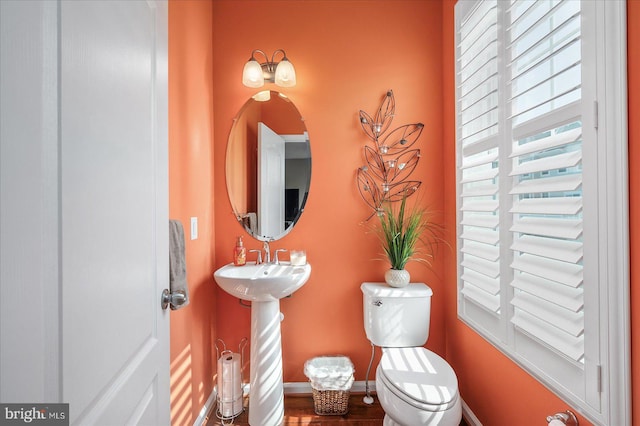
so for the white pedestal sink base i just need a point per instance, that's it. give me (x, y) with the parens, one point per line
(264, 285)
(266, 395)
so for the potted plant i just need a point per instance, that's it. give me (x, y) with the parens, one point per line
(406, 234)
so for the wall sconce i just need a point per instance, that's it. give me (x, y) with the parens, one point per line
(282, 73)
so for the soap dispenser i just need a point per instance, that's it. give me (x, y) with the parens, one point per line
(239, 253)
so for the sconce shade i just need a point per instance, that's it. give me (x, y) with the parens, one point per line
(285, 74)
(255, 73)
(252, 74)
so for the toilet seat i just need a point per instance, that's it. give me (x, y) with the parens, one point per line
(419, 377)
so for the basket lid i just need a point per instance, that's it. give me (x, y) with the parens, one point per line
(328, 367)
(420, 375)
(329, 372)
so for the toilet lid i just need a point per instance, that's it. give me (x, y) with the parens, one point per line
(420, 375)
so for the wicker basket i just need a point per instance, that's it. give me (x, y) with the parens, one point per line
(330, 402)
(331, 378)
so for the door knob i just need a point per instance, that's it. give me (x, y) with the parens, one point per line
(563, 419)
(175, 299)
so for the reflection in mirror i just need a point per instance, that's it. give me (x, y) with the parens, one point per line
(268, 166)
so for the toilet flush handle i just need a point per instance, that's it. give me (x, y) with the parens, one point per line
(566, 418)
(377, 302)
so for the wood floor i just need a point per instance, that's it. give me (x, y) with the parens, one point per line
(298, 410)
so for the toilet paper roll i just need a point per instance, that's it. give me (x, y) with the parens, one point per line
(229, 378)
(230, 409)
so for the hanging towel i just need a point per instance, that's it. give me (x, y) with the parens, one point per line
(177, 263)
(250, 221)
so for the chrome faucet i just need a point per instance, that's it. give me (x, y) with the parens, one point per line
(275, 256)
(259, 258)
(267, 253)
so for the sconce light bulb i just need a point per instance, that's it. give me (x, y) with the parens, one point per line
(252, 74)
(385, 187)
(392, 163)
(384, 149)
(377, 127)
(364, 168)
(363, 120)
(403, 141)
(285, 74)
(401, 165)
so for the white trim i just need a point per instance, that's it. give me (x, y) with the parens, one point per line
(207, 409)
(304, 388)
(301, 138)
(30, 197)
(469, 416)
(297, 388)
(614, 124)
(290, 388)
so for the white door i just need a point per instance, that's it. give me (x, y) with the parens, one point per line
(103, 172)
(271, 163)
(114, 211)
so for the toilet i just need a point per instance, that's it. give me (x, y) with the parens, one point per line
(414, 385)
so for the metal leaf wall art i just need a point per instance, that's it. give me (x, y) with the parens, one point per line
(389, 160)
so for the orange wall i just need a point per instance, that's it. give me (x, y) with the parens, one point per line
(282, 117)
(191, 194)
(347, 54)
(497, 390)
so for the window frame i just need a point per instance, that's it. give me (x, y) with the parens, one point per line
(604, 87)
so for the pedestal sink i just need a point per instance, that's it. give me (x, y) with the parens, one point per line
(264, 285)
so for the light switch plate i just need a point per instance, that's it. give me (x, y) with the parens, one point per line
(194, 228)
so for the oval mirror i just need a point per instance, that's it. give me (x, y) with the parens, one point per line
(268, 166)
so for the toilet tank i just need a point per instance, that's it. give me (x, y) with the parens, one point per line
(396, 317)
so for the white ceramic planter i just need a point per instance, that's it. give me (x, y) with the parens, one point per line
(397, 277)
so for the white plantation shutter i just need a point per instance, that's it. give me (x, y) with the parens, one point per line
(545, 107)
(531, 263)
(478, 102)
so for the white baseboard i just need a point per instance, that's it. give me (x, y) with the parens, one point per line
(207, 409)
(304, 388)
(468, 415)
(290, 388)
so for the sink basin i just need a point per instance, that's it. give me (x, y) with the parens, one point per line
(264, 282)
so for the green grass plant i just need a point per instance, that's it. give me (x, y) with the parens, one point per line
(407, 234)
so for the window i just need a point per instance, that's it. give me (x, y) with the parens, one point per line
(542, 192)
